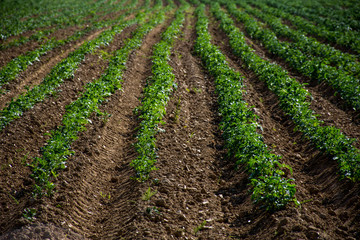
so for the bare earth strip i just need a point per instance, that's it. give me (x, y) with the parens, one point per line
(10, 53)
(23, 139)
(187, 180)
(326, 198)
(96, 196)
(331, 108)
(35, 73)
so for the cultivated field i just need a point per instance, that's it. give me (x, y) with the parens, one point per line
(179, 119)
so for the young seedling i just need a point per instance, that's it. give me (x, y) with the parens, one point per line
(200, 227)
(29, 214)
(148, 194)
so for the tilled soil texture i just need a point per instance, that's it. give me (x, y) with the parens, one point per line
(22, 139)
(96, 197)
(330, 206)
(34, 74)
(185, 202)
(197, 191)
(12, 52)
(325, 102)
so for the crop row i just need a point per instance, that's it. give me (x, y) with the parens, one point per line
(347, 86)
(347, 12)
(293, 100)
(324, 16)
(70, 15)
(156, 95)
(42, 34)
(347, 39)
(239, 126)
(11, 70)
(308, 45)
(63, 70)
(58, 147)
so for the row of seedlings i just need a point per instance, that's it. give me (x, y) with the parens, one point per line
(240, 128)
(58, 148)
(347, 86)
(332, 20)
(72, 13)
(42, 34)
(19, 64)
(294, 102)
(346, 39)
(63, 70)
(156, 95)
(308, 45)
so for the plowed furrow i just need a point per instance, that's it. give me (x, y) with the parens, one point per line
(326, 103)
(187, 185)
(34, 74)
(10, 53)
(315, 174)
(26, 136)
(97, 183)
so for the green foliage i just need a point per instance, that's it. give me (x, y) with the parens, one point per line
(200, 227)
(345, 63)
(239, 126)
(11, 70)
(62, 71)
(316, 68)
(338, 33)
(57, 149)
(29, 214)
(156, 96)
(292, 95)
(148, 194)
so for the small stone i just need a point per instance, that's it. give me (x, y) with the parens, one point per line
(182, 217)
(308, 219)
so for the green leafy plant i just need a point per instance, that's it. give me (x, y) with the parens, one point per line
(29, 214)
(200, 227)
(57, 149)
(156, 95)
(294, 99)
(239, 125)
(148, 194)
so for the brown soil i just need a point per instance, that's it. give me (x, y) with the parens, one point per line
(23, 138)
(96, 198)
(188, 178)
(35, 73)
(98, 193)
(326, 103)
(326, 198)
(10, 53)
